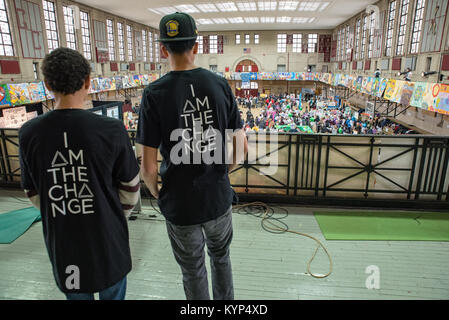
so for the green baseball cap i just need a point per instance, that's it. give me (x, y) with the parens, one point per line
(177, 26)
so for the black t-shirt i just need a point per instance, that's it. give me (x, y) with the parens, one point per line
(75, 159)
(192, 191)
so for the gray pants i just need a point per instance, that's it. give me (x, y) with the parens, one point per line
(188, 248)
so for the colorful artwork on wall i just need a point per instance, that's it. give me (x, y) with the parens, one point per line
(382, 86)
(5, 101)
(390, 88)
(19, 94)
(406, 93)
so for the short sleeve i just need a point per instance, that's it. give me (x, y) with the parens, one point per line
(26, 180)
(148, 127)
(234, 121)
(126, 167)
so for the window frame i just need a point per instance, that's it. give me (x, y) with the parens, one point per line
(121, 41)
(213, 44)
(200, 41)
(111, 39)
(52, 33)
(85, 34)
(281, 43)
(392, 8)
(129, 43)
(314, 37)
(297, 43)
(402, 29)
(69, 23)
(417, 31)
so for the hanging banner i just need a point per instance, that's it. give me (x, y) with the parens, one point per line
(382, 86)
(440, 98)
(389, 90)
(419, 91)
(406, 93)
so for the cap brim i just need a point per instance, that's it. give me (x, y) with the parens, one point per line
(176, 39)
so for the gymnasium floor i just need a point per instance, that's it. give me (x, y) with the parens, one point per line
(265, 266)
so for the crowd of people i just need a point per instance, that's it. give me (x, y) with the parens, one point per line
(291, 113)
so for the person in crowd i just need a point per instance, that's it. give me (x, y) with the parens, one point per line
(79, 169)
(281, 110)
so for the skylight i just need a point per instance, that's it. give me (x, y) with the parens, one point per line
(267, 19)
(204, 21)
(251, 19)
(247, 6)
(166, 10)
(283, 19)
(267, 5)
(236, 20)
(227, 6)
(187, 8)
(324, 6)
(154, 10)
(300, 20)
(220, 20)
(207, 7)
(309, 6)
(287, 5)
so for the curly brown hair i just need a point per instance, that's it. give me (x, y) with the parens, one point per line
(65, 70)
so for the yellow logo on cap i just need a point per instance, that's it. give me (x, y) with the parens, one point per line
(172, 28)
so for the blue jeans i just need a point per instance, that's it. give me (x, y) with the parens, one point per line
(116, 292)
(188, 248)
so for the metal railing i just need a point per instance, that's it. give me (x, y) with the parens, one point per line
(402, 171)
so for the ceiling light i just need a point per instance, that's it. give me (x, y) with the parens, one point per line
(267, 5)
(287, 5)
(309, 6)
(227, 6)
(220, 20)
(207, 7)
(252, 20)
(311, 20)
(283, 19)
(236, 20)
(187, 8)
(204, 21)
(247, 6)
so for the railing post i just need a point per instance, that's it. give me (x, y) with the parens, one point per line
(326, 168)
(369, 169)
(318, 166)
(443, 174)
(298, 137)
(421, 168)
(2, 157)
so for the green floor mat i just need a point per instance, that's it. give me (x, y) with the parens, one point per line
(384, 225)
(14, 223)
